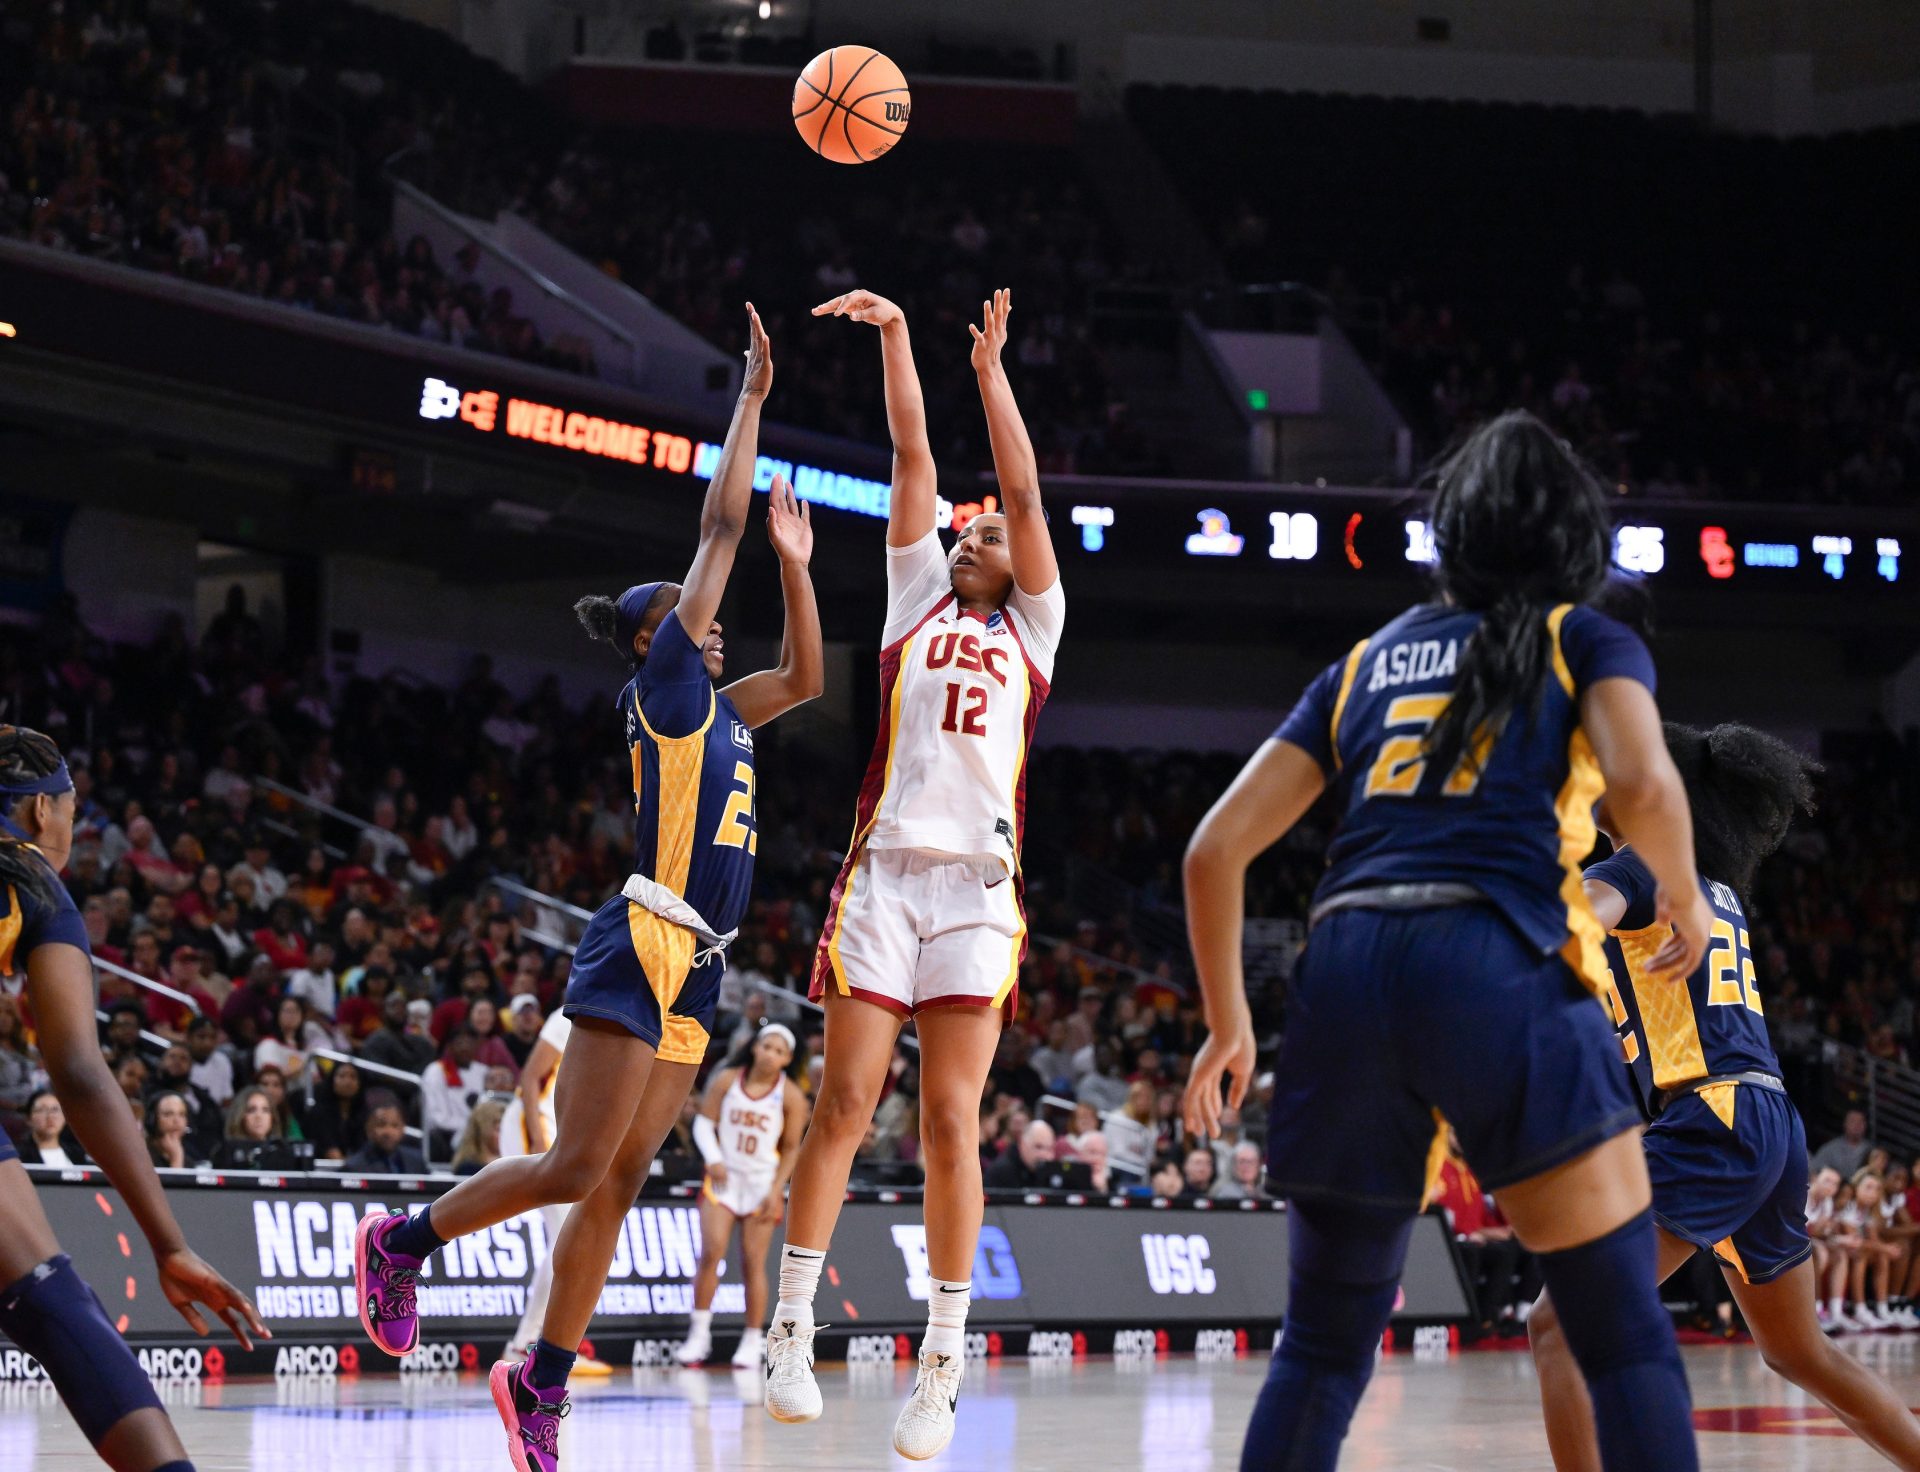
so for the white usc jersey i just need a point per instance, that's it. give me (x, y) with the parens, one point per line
(513, 1124)
(960, 695)
(750, 1128)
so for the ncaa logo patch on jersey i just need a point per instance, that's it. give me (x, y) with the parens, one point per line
(742, 737)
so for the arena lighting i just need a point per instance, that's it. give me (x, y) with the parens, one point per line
(1641, 549)
(1296, 535)
(1715, 552)
(1093, 522)
(1833, 553)
(1887, 549)
(1216, 536)
(6, 330)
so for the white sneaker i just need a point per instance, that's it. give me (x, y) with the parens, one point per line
(1868, 1318)
(926, 1422)
(1905, 1319)
(751, 1350)
(1847, 1322)
(792, 1392)
(1829, 1323)
(696, 1350)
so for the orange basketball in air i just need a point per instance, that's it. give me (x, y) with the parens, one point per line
(851, 104)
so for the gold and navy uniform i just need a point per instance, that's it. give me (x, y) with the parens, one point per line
(28, 922)
(1458, 984)
(694, 834)
(1728, 1160)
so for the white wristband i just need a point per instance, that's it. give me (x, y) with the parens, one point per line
(708, 1139)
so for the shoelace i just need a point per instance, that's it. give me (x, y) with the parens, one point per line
(933, 1389)
(400, 1284)
(782, 1365)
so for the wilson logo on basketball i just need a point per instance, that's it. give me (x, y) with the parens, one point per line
(897, 112)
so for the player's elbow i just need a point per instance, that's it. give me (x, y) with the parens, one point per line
(720, 524)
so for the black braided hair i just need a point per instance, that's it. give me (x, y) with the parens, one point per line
(1520, 524)
(599, 615)
(25, 756)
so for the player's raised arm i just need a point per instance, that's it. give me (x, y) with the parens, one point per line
(1034, 568)
(801, 674)
(723, 515)
(915, 481)
(1271, 794)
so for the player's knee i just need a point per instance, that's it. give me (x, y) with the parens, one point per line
(54, 1316)
(949, 1133)
(1544, 1334)
(569, 1175)
(839, 1117)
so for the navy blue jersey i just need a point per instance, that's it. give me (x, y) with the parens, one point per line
(693, 828)
(28, 922)
(1674, 1029)
(1516, 823)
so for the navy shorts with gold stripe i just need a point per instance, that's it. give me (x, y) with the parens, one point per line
(1729, 1168)
(1398, 1018)
(636, 969)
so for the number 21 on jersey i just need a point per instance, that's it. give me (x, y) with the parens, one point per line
(1402, 762)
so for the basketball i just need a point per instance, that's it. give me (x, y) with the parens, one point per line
(851, 104)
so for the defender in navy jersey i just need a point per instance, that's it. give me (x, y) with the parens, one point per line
(1726, 1150)
(45, 1306)
(646, 973)
(1453, 967)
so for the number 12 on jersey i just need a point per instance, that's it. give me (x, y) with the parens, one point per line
(966, 709)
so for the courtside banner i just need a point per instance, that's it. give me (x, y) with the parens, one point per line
(288, 1241)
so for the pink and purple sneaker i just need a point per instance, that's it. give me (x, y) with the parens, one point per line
(385, 1282)
(531, 1415)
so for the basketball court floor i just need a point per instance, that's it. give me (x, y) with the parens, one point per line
(1468, 1411)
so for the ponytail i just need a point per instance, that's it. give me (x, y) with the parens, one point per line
(597, 616)
(26, 758)
(1744, 788)
(1519, 525)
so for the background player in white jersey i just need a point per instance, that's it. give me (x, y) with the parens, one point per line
(527, 1129)
(748, 1131)
(925, 920)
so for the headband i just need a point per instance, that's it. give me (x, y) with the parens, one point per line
(629, 610)
(57, 781)
(778, 1030)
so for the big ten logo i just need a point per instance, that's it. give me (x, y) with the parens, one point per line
(1045, 1344)
(1177, 1262)
(1219, 1344)
(965, 652)
(995, 1273)
(648, 1353)
(431, 1358)
(1139, 1344)
(873, 1349)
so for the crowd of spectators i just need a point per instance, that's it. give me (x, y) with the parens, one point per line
(247, 147)
(1639, 282)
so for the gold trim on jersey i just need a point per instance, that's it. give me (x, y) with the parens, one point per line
(840, 921)
(1584, 949)
(1437, 1157)
(1666, 1013)
(677, 808)
(1013, 966)
(1354, 657)
(1561, 670)
(10, 925)
(893, 745)
(665, 952)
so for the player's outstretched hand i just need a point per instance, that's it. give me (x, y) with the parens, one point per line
(759, 375)
(186, 1279)
(991, 335)
(1227, 1053)
(862, 306)
(789, 523)
(1692, 923)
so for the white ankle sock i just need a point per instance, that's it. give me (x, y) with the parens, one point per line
(799, 1280)
(947, 1317)
(702, 1325)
